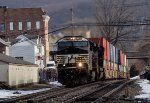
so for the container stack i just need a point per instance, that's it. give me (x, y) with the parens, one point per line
(114, 60)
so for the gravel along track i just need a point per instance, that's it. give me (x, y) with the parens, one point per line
(78, 91)
(94, 95)
(98, 94)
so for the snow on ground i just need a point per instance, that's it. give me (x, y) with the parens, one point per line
(55, 83)
(136, 77)
(145, 93)
(12, 93)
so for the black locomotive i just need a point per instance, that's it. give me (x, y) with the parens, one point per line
(80, 61)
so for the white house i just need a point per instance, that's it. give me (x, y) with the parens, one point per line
(15, 72)
(28, 48)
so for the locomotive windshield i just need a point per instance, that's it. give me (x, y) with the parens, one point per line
(64, 44)
(74, 44)
(80, 43)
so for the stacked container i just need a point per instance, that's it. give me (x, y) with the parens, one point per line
(102, 41)
(117, 62)
(105, 44)
(111, 60)
(114, 62)
(108, 60)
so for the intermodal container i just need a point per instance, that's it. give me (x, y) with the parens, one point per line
(102, 42)
(108, 51)
(105, 64)
(121, 57)
(125, 60)
(117, 56)
(111, 53)
(105, 48)
(114, 51)
(96, 40)
(112, 65)
(121, 70)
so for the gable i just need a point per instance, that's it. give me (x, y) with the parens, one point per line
(23, 43)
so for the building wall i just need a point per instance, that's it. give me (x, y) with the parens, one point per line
(23, 15)
(25, 50)
(22, 74)
(3, 72)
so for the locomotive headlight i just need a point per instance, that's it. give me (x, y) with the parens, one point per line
(64, 65)
(80, 64)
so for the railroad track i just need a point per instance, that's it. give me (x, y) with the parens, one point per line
(99, 94)
(59, 95)
(76, 92)
(51, 96)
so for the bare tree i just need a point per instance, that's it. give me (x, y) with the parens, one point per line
(112, 13)
(144, 48)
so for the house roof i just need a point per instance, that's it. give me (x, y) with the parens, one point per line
(3, 42)
(26, 37)
(9, 59)
(21, 13)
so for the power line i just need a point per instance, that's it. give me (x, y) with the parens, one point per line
(128, 23)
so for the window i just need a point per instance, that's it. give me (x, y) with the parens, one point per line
(28, 25)
(11, 24)
(64, 44)
(37, 24)
(80, 44)
(20, 25)
(21, 58)
(2, 27)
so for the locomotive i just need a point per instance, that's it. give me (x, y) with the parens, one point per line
(81, 60)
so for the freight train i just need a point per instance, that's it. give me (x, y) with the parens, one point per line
(81, 60)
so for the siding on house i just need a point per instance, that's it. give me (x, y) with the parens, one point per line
(16, 72)
(3, 72)
(25, 50)
(22, 74)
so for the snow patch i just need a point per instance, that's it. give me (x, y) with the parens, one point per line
(145, 93)
(13, 93)
(136, 77)
(55, 83)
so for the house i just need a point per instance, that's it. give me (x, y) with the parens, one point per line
(15, 72)
(33, 21)
(28, 48)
